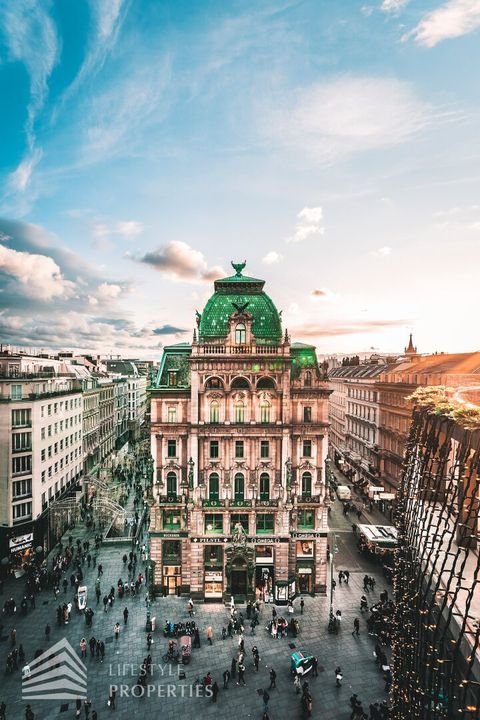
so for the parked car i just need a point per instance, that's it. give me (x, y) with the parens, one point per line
(344, 492)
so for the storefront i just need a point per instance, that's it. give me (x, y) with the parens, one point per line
(285, 590)
(171, 566)
(264, 573)
(213, 576)
(305, 565)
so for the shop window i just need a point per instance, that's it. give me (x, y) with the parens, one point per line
(239, 412)
(238, 518)
(172, 485)
(214, 448)
(213, 486)
(171, 551)
(304, 548)
(239, 448)
(307, 448)
(214, 412)
(307, 414)
(265, 412)
(213, 555)
(240, 334)
(264, 449)
(239, 489)
(306, 519)
(213, 524)
(264, 486)
(265, 524)
(306, 484)
(171, 519)
(172, 448)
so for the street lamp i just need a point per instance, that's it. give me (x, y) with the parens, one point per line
(331, 618)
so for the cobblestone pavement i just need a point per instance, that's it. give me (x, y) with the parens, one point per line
(124, 656)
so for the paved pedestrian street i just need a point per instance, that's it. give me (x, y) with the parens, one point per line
(172, 697)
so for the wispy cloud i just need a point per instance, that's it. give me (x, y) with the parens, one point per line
(19, 180)
(169, 330)
(350, 114)
(179, 261)
(393, 6)
(312, 330)
(272, 257)
(321, 294)
(453, 19)
(309, 222)
(382, 252)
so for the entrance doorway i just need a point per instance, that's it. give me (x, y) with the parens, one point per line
(172, 582)
(239, 582)
(172, 579)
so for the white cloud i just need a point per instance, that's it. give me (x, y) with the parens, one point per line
(350, 114)
(384, 251)
(452, 20)
(272, 257)
(39, 275)
(108, 291)
(19, 179)
(308, 223)
(393, 5)
(129, 228)
(367, 10)
(179, 261)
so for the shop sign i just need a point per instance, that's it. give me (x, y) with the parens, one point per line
(210, 540)
(250, 540)
(22, 542)
(240, 503)
(308, 535)
(171, 534)
(267, 503)
(304, 571)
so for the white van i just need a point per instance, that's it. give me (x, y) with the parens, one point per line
(344, 492)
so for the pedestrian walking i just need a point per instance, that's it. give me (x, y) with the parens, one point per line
(214, 692)
(338, 676)
(346, 576)
(83, 648)
(315, 666)
(296, 684)
(356, 627)
(273, 679)
(3, 710)
(226, 679)
(256, 657)
(47, 632)
(149, 641)
(302, 605)
(125, 616)
(340, 577)
(241, 674)
(266, 698)
(233, 669)
(87, 706)
(210, 635)
(366, 583)
(116, 630)
(111, 698)
(29, 714)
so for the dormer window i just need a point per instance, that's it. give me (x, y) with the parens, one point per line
(240, 334)
(172, 378)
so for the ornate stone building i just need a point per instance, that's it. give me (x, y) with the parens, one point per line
(239, 438)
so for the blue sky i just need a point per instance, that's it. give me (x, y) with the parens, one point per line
(333, 145)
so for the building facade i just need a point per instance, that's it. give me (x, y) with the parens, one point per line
(239, 439)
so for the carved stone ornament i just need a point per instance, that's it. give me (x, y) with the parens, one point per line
(214, 396)
(238, 395)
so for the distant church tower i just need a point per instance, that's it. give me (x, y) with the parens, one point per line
(410, 350)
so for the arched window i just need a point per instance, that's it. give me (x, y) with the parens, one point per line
(306, 484)
(214, 412)
(214, 383)
(264, 486)
(265, 412)
(213, 486)
(172, 484)
(239, 487)
(240, 383)
(266, 383)
(239, 412)
(308, 379)
(240, 334)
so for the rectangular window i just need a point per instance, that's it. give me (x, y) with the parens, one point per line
(171, 519)
(213, 524)
(49, 451)
(265, 524)
(239, 481)
(239, 449)
(56, 428)
(55, 408)
(172, 414)
(306, 519)
(43, 455)
(171, 448)
(21, 441)
(43, 476)
(22, 465)
(21, 418)
(214, 448)
(240, 413)
(20, 488)
(265, 413)
(42, 433)
(307, 414)
(172, 378)
(22, 510)
(49, 409)
(307, 448)
(56, 468)
(49, 431)
(16, 392)
(55, 448)
(264, 449)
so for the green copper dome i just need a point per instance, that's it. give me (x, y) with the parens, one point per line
(236, 293)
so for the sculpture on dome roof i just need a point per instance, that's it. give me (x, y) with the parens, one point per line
(240, 307)
(238, 267)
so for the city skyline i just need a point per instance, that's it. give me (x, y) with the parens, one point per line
(145, 147)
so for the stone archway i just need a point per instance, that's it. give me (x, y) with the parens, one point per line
(239, 569)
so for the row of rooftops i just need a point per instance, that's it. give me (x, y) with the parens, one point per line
(17, 365)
